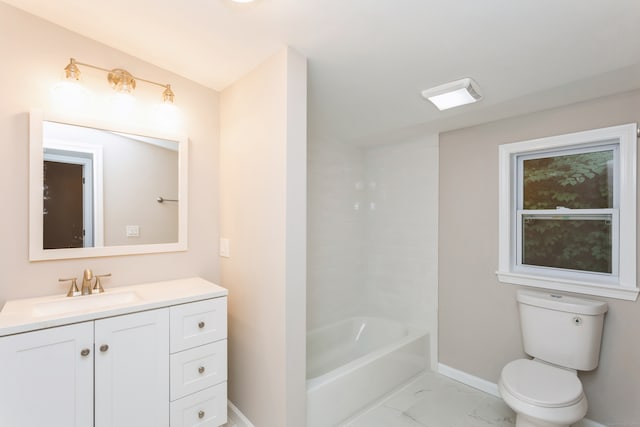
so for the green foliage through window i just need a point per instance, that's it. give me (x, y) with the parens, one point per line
(574, 181)
(567, 243)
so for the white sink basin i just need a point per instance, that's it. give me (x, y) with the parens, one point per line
(30, 314)
(65, 305)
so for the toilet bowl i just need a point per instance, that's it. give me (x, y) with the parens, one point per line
(542, 395)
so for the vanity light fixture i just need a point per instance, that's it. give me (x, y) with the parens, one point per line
(120, 80)
(453, 94)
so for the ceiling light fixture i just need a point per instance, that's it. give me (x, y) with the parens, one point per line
(120, 80)
(453, 94)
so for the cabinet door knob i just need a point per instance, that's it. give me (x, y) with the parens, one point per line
(104, 347)
(201, 369)
(201, 414)
(85, 352)
(200, 325)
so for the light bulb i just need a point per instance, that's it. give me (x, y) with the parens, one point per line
(69, 96)
(122, 104)
(167, 117)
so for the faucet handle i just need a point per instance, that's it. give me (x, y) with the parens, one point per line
(73, 290)
(98, 286)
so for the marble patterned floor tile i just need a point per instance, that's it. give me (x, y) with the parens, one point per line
(384, 416)
(433, 400)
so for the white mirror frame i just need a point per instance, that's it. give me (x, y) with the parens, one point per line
(36, 203)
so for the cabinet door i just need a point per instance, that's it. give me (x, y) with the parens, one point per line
(132, 370)
(46, 377)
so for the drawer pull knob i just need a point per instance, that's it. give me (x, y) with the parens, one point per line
(201, 369)
(85, 352)
(201, 414)
(200, 325)
(104, 347)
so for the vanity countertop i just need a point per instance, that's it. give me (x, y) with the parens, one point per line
(29, 314)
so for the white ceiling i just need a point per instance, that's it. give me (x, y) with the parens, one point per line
(369, 60)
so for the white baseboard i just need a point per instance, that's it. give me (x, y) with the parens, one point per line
(468, 379)
(243, 421)
(491, 388)
(588, 423)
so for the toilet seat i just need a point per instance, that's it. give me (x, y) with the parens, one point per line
(541, 385)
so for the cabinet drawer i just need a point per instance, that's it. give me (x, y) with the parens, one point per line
(198, 323)
(207, 408)
(198, 368)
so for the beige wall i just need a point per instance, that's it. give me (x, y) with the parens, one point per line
(263, 199)
(478, 318)
(34, 53)
(135, 174)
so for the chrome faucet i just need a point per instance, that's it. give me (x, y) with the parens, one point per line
(86, 282)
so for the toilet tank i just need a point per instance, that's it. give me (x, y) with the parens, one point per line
(560, 329)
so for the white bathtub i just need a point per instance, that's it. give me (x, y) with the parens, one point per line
(353, 363)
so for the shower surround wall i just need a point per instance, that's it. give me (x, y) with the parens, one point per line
(372, 230)
(335, 231)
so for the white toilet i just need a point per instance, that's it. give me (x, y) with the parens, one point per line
(563, 334)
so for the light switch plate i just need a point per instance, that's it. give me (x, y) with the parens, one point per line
(224, 247)
(133, 231)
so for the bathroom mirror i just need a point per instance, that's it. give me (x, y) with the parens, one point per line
(100, 191)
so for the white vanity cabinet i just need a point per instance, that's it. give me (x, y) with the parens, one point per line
(199, 364)
(131, 366)
(46, 377)
(160, 364)
(116, 366)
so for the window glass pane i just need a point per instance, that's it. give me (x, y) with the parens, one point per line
(575, 181)
(568, 242)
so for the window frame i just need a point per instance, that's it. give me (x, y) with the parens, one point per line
(583, 214)
(621, 283)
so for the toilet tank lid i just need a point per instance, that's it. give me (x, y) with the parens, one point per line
(560, 302)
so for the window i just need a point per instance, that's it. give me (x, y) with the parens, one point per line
(568, 212)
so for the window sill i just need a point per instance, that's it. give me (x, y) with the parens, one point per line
(587, 288)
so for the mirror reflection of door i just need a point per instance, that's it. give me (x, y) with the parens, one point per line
(67, 215)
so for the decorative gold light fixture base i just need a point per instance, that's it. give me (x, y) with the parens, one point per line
(168, 95)
(71, 71)
(121, 80)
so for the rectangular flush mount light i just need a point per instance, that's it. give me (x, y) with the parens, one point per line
(453, 94)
